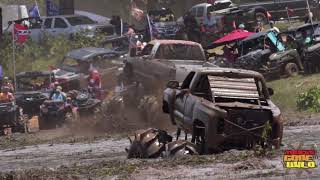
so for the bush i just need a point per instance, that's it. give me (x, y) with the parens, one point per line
(310, 100)
(38, 56)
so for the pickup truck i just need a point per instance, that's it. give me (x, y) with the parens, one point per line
(164, 60)
(276, 8)
(224, 108)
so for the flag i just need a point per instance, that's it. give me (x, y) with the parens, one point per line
(21, 33)
(289, 11)
(34, 11)
(52, 9)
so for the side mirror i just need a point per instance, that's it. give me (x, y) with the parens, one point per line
(270, 91)
(173, 84)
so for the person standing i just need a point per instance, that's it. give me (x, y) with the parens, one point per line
(210, 23)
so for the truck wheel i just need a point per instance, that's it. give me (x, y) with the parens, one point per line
(137, 150)
(261, 17)
(181, 148)
(291, 69)
(277, 133)
(148, 143)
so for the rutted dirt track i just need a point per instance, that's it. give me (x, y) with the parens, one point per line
(106, 157)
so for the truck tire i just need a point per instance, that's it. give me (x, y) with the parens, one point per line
(261, 17)
(291, 69)
(148, 143)
(137, 150)
(181, 148)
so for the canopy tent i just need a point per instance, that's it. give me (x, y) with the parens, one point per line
(235, 35)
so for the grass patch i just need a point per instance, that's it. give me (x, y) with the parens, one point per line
(287, 90)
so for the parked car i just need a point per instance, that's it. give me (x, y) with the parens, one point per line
(68, 26)
(278, 11)
(73, 70)
(224, 108)
(260, 9)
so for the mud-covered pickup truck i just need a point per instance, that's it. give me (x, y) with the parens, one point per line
(164, 60)
(224, 108)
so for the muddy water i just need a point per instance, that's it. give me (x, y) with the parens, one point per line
(53, 156)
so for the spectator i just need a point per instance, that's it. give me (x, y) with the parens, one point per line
(6, 82)
(274, 28)
(6, 95)
(210, 23)
(58, 95)
(308, 17)
(242, 27)
(130, 31)
(259, 27)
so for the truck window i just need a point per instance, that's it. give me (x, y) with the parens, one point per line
(193, 11)
(59, 23)
(179, 52)
(200, 11)
(202, 88)
(48, 23)
(186, 83)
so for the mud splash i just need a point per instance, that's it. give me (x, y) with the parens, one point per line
(110, 152)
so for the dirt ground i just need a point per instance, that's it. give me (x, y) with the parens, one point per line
(85, 154)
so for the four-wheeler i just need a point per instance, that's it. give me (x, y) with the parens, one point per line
(55, 114)
(11, 117)
(86, 105)
(264, 52)
(33, 88)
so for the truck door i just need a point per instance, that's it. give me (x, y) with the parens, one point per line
(60, 27)
(182, 106)
(47, 26)
(180, 102)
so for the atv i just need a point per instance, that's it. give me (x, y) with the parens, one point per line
(11, 117)
(55, 114)
(33, 88)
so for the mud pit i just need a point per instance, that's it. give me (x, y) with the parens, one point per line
(105, 157)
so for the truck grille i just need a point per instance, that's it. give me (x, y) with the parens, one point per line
(246, 119)
(224, 87)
